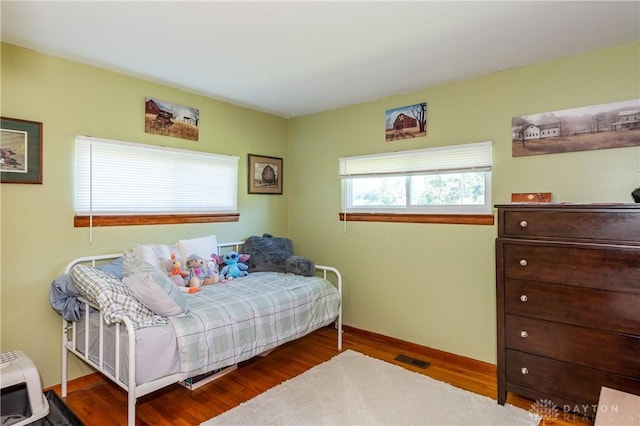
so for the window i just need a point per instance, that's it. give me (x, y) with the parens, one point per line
(445, 180)
(122, 178)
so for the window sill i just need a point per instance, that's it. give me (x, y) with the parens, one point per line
(459, 219)
(161, 219)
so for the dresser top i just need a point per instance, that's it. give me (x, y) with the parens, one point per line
(572, 206)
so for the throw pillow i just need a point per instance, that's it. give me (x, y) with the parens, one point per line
(114, 299)
(152, 287)
(275, 254)
(155, 254)
(202, 246)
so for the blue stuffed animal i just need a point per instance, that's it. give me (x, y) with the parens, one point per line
(233, 265)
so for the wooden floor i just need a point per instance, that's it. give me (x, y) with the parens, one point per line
(97, 402)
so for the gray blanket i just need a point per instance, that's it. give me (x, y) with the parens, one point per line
(63, 295)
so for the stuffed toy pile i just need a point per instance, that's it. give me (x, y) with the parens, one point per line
(195, 273)
(275, 254)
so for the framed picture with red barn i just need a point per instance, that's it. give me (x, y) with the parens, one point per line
(264, 174)
(406, 122)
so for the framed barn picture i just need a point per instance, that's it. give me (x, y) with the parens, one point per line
(21, 151)
(170, 119)
(406, 122)
(264, 174)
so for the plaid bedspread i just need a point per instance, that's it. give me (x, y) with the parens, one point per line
(232, 322)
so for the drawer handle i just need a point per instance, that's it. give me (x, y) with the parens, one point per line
(524, 298)
(523, 262)
(524, 370)
(523, 224)
(524, 334)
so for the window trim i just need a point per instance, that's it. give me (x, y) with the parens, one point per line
(455, 219)
(464, 158)
(80, 221)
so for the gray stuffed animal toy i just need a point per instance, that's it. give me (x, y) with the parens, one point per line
(275, 254)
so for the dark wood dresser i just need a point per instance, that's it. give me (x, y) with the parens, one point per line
(568, 302)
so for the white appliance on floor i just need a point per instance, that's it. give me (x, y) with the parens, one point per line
(22, 401)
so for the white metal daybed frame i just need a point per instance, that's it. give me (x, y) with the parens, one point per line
(134, 391)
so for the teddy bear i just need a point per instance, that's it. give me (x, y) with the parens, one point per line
(198, 275)
(173, 267)
(212, 269)
(234, 266)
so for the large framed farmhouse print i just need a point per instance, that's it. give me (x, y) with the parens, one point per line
(406, 122)
(601, 126)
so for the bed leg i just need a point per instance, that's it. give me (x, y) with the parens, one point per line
(339, 325)
(131, 409)
(63, 384)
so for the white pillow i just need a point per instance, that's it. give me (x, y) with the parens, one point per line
(156, 254)
(153, 288)
(115, 299)
(202, 246)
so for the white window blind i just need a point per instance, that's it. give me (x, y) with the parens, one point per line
(123, 178)
(467, 157)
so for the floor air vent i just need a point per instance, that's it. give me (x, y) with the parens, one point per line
(412, 361)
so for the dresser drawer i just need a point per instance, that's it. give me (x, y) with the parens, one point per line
(605, 310)
(614, 268)
(612, 352)
(569, 383)
(571, 224)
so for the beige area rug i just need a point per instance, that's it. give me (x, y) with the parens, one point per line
(356, 389)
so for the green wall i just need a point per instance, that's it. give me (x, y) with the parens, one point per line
(426, 283)
(434, 284)
(38, 237)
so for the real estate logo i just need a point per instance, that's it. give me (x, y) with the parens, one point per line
(546, 409)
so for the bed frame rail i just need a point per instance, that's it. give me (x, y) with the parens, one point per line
(128, 383)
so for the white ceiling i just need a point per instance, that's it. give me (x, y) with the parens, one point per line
(295, 58)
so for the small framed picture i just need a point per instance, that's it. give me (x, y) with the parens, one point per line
(264, 174)
(20, 151)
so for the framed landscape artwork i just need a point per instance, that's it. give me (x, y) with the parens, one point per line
(406, 122)
(20, 151)
(612, 125)
(264, 174)
(169, 119)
